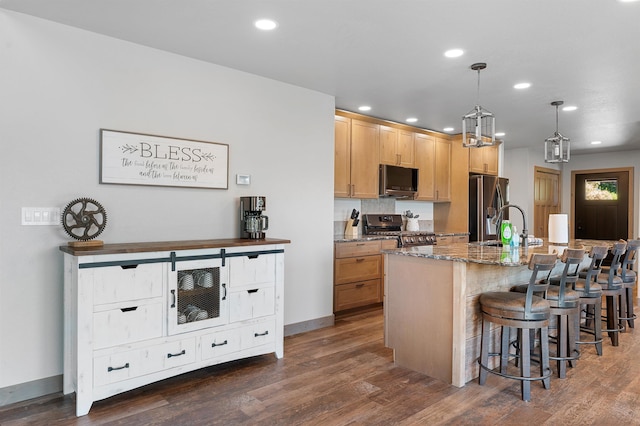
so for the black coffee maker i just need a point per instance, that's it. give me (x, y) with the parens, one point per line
(252, 222)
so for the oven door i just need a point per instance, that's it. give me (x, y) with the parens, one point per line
(197, 295)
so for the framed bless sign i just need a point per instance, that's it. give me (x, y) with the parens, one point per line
(139, 159)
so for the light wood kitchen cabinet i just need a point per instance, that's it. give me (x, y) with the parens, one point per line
(396, 147)
(484, 160)
(342, 157)
(358, 272)
(433, 160)
(425, 162)
(357, 158)
(443, 170)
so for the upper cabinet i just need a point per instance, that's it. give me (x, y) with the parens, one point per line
(357, 158)
(484, 160)
(363, 143)
(433, 160)
(396, 147)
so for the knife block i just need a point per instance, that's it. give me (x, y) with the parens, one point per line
(350, 231)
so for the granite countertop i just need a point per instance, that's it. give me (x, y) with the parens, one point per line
(490, 255)
(340, 238)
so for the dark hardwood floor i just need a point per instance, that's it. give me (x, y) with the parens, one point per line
(343, 375)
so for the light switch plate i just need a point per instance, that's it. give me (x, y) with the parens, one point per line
(243, 179)
(41, 216)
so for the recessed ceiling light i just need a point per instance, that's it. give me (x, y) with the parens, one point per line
(411, 120)
(500, 133)
(454, 53)
(364, 108)
(570, 108)
(266, 24)
(596, 142)
(522, 86)
(627, 1)
(448, 129)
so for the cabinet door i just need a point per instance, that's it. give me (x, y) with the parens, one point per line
(388, 146)
(342, 157)
(443, 170)
(365, 159)
(476, 160)
(406, 148)
(425, 162)
(491, 160)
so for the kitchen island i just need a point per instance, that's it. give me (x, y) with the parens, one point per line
(431, 313)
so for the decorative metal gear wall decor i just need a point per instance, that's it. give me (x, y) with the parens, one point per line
(84, 219)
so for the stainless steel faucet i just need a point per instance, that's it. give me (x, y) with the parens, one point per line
(524, 240)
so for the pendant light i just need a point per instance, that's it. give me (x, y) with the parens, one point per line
(556, 148)
(478, 126)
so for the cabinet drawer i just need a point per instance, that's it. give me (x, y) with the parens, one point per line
(114, 284)
(388, 244)
(353, 295)
(252, 270)
(258, 334)
(127, 365)
(220, 343)
(117, 367)
(360, 248)
(127, 324)
(169, 355)
(253, 303)
(357, 269)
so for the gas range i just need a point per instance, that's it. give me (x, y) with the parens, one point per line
(391, 225)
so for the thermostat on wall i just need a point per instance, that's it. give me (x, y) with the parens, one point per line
(243, 179)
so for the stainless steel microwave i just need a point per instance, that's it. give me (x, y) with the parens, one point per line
(396, 181)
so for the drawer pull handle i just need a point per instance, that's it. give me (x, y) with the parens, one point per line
(359, 285)
(110, 369)
(129, 266)
(173, 298)
(255, 290)
(253, 256)
(178, 354)
(214, 344)
(224, 287)
(133, 308)
(360, 244)
(360, 259)
(261, 334)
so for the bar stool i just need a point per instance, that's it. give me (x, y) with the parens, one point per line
(590, 293)
(525, 312)
(629, 277)
(565, 307)
(612, 289)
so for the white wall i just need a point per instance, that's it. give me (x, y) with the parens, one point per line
(60, 85)
(519, 165)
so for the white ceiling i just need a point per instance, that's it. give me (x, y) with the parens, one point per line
(389, 54)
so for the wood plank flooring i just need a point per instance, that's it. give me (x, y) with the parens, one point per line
(343, 375)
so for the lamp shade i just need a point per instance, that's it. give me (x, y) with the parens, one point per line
(558, 229)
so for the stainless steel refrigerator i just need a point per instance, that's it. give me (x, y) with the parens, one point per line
(487, 194)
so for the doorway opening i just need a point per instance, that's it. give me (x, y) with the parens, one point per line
(602, 202)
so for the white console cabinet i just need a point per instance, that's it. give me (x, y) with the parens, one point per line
(132, 319)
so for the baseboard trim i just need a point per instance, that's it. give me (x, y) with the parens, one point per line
(304, 326)
(29, 390)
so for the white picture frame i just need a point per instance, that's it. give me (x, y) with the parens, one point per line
(129, 158)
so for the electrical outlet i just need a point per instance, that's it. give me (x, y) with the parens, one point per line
(41, 216)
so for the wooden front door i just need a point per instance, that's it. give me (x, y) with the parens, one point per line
(546, 199)
(601, 204)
